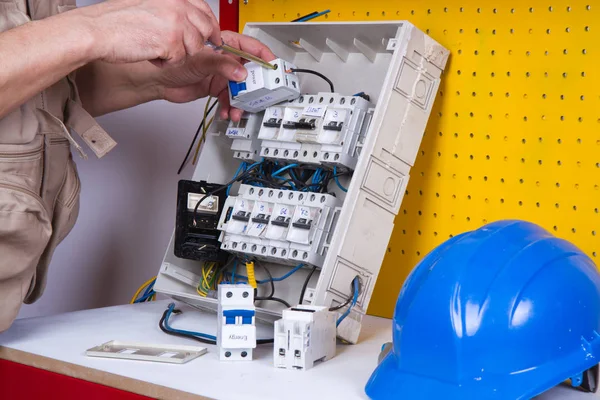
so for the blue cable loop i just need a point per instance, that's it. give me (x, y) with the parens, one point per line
(274, 174)
(169, 328)
(355, 282)
(337, 181)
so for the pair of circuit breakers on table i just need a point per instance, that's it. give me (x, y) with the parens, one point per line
(282, 226)
(305, 334)
(326, 128)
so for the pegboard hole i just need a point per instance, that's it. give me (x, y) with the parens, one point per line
(568, 9)
(537, 204)
(493, 31)
(544, 96)
(476, 30)
(512, 30)
(488, 137)
(548, 31)
(476, 52)
(587, 28)
(512, 10)
(556, 205)
(493, 74)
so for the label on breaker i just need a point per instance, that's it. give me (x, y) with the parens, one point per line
(315, 111)
(235, 132)
(255, 79)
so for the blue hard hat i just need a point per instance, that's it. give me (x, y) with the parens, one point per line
(507, 311)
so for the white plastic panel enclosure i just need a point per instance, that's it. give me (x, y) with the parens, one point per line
(399, 67)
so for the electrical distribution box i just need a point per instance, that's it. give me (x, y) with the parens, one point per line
(364, 148)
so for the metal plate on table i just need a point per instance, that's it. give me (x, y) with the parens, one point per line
(147, 352)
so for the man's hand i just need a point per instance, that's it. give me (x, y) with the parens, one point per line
(207, 74)
(162, 31)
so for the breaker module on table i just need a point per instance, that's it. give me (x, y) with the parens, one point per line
(196, 235)
(264, 87)
(282, 226)
(304, 336)
(325, 128)
(236, 332)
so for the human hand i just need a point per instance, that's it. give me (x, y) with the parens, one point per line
(165, 32)
(208, 73)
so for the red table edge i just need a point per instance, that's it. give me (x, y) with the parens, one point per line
(25, 368)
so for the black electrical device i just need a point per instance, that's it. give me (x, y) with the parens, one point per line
(197, 236)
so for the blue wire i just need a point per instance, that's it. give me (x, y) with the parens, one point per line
(169, 328)
(354, 301)
(284, 276)
(145, 297)
(274, 174)
(242, 278)
(309, 17)
(232, 281)
(150, 287)
(337, 181)
(240, 168)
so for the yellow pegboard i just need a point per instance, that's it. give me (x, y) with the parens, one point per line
(515, 130)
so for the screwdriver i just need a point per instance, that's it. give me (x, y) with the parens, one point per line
(239, 53)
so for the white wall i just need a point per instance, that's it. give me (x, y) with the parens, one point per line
(127, 208)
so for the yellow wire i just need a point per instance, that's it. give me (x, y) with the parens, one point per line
(135, 296)
(204, 130)
(202, 139)
(250, 273)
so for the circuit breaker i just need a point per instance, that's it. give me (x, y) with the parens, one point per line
(325, 128)
(244, 134)
(282, 226)
(264, 87)
(236, 332)
(305, 335)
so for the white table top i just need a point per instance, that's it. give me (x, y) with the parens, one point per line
(65, 338)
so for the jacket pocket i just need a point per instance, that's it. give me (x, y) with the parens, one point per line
(25, 230)
(23, 165)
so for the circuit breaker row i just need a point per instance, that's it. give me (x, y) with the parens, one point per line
(282, 226)
(326, 128)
